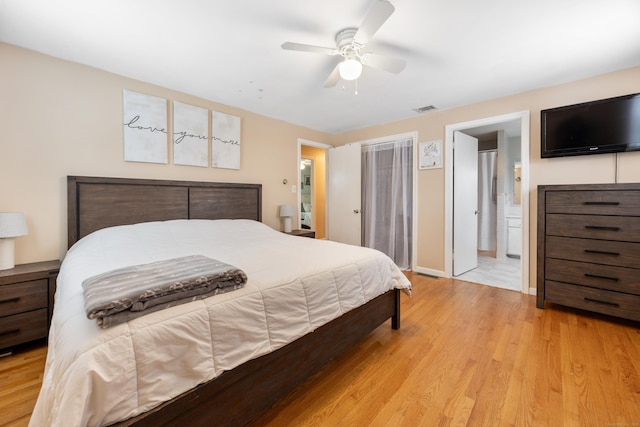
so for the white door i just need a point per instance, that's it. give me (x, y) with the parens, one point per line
(343, 194)
(465, 203)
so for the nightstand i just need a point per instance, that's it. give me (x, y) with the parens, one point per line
(26, 302)
(303, 233)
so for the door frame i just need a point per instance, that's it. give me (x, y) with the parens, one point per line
(524, 118)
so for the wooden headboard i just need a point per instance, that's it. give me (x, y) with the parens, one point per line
(94, 203)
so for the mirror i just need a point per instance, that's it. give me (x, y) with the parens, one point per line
(306, 194)
(517, 173)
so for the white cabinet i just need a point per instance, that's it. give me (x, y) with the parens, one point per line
(513, 237)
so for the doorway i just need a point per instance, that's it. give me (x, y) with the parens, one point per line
(312, 187)
(508, 260)
(387, 171)
(307, 193)
(345, 191)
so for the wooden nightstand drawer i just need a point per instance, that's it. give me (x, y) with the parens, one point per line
(23, 327)
(23, 296)
(26, 302)
(594, 202)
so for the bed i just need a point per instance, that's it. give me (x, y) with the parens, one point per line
(159, 369)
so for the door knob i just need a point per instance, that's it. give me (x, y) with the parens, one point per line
(356, 211)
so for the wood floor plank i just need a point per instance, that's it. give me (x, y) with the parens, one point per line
(466, 355)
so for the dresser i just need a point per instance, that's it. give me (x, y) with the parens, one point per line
(589, 248)
(26, 302)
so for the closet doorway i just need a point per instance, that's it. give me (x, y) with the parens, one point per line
(387, 171)
(348, 179)
(502, 208)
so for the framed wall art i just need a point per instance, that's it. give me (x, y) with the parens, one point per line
(145, 128)
(190, 135)
(225, 141)
(430, 155)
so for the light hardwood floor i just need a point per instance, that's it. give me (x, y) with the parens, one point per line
(466, 355)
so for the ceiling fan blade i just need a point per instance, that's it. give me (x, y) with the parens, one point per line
(378, 14)
(308, 48)
(334, 77)
(393, 65)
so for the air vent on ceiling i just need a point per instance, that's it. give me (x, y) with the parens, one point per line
(424, 109)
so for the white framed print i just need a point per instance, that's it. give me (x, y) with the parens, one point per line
(190, 135)
(430, 155)
(225, 141)
(145, 128)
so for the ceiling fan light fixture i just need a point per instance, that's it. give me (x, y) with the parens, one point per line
(350, 69)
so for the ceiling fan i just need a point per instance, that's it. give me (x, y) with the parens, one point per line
(350, 43)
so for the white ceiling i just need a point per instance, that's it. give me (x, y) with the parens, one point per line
(458, 51)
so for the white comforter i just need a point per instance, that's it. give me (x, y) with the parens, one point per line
(97, 376)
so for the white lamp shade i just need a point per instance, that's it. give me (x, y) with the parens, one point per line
(287, 211)
(350, 69)
(12, 224)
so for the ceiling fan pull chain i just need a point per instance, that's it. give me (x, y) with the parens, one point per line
(356, 86)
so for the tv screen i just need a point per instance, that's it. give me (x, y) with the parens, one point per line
(604, 126)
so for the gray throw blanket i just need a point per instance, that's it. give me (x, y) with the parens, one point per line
(120, 295)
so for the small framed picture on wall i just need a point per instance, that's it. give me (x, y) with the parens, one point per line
(430, 154)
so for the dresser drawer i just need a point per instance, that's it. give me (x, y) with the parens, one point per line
(620, 279)
(23, 296)
(23, 327)
(594, 202)
(598, 300)
(621, 254)
(620, 228)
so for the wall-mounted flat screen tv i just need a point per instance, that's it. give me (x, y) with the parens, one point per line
(604, 126)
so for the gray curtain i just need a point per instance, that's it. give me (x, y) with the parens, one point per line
(387, 199)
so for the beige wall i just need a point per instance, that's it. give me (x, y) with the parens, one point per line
(585, 169)
(59, 118)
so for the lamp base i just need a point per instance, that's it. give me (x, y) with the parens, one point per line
(287, 224)
(7, 259)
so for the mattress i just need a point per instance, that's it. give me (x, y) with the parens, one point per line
(97, 376)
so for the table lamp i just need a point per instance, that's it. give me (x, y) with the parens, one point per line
(12, 224)
(286, 212)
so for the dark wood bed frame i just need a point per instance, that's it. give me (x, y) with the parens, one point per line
(238, 396)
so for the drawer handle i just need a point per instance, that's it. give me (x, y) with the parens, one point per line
(595, 276)
(10, 332)
(600, 227)
(592, 251)
(612, 304)
(8, 300)
(602, 203)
